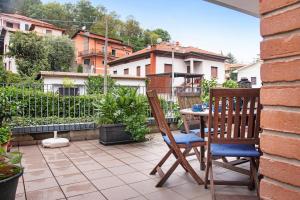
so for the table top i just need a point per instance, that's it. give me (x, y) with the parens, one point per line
(188, 111)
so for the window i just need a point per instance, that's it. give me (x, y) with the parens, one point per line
(48, 32)
(253, 80)
(214, 72)
(113, 52)
(86, 61)
(85, 43)
(68, 91)
(9, 25)
(126, 71)
(188, 69)
(138, 71)
(115, 72)
(168, 68)
(147, 69)
(26, 27)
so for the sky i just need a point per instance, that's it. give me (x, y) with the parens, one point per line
(194, 23)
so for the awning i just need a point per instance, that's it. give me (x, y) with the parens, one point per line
(250, 7)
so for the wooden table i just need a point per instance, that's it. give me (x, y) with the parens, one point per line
(202, 115)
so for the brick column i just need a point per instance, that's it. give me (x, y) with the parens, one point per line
(280, 96)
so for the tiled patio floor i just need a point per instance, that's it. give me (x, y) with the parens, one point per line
(89, 170)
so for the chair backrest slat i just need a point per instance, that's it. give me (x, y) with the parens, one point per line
(238, 117)
(188, 99)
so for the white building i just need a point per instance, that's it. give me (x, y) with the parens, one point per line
(10, 23)
(252, 73)
(55, 81)
(157, 59)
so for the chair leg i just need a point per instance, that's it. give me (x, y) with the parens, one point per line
(212, 184)
(167, 175)
(202, 163)
(251, 185)
(208, 164)
(255, 175)
(192, 171)
(161, 162)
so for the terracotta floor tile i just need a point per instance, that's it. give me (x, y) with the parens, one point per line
(45, 194)
(138, 198)
(112, 163)
(70, 178)
(107, 182)
(83, 160)
(65, 171)
(89, 167)
(120, 193)
(163, 195)
(131, 160)
(20, 196)
(146, 187)
(40, 184)
(97, 174)
(20, 188)
(89, 196)
(30, 176)
(191, 191)
(78, 188)
(60, 164)
(133, 177)
(124, 169)
(122, 155)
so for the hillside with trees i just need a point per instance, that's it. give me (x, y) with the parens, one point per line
(74, 16)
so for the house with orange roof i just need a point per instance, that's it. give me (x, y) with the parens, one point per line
(89, 50)
(157, 59)
(10, 23)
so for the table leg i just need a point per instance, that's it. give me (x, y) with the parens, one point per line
(186, 124)
(202, 149)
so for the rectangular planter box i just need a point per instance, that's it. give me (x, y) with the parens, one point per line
(114, 134)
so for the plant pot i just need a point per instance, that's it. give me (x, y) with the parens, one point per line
(114, 134)
(8, 187)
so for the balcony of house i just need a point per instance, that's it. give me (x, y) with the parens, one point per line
(97, 52)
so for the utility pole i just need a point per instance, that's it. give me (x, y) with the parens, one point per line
(172, 86)
(105, 55)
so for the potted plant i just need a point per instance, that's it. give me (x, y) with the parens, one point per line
(10, 172)
(7, 109)
(122, 116)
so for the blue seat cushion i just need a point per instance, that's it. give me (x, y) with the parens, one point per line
(234, 150)
(196, 131)
(184, 138)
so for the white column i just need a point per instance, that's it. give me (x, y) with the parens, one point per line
(192, 66)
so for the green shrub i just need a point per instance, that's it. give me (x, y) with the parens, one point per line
(206, 85)
(126, 106)
(230, 84)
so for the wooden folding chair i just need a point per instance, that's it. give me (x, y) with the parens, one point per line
(187, 100)
(237, 112)
(175, 143)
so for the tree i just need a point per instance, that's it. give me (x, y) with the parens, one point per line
(231, 59)
(94, 84)
(30, 52)
(60, 53)
(163, 34)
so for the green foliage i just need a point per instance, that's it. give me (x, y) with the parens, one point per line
(60, 53)
(206, 85)
(80, 69)
(73, 16)
(68, 83)
(230, 84)
(8, 108)
(8, 164)
(30, 52)
(231, 59)
(5, 135)
(33, 102)
(94, 84)
(126, 106)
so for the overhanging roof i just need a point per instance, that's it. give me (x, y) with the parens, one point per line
(178, 74)
(250, 7)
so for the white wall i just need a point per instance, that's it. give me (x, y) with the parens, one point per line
(131, 66)
(250, 71)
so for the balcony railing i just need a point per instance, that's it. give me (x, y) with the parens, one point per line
(95, 52)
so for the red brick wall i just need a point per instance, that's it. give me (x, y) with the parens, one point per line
(280, 96)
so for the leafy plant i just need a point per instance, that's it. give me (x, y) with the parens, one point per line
(230, 84)
(5, 135)
(9, 164)
(126, 106)
(206, 85)
(8, 108)
(80, 69)
(68, 83)
(94, 84)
